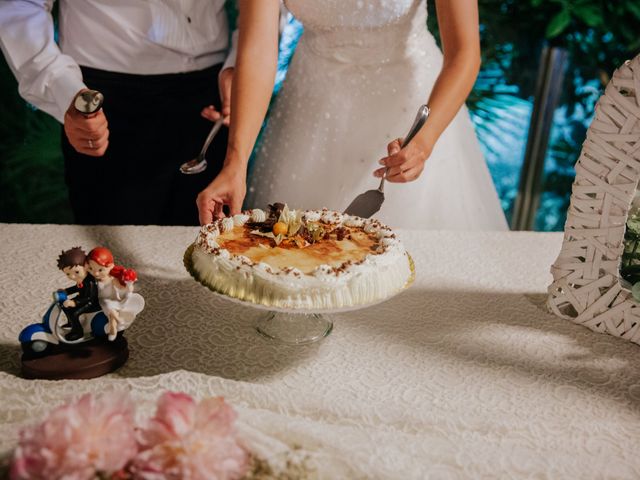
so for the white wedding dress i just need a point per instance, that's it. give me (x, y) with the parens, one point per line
(359, 73)
(125, 303)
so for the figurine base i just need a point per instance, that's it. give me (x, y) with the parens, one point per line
(88, 360)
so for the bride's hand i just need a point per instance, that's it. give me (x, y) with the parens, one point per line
(228, 188)
(404, 164)
(225, 82)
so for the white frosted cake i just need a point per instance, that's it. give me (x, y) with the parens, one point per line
(301, 259)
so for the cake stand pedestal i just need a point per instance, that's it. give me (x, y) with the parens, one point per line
(289, 326)
(292, 326)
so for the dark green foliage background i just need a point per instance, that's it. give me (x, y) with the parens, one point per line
(31, 168)
(599, 36)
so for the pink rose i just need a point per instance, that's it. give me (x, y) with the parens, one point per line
(78, 440)
(190, 441)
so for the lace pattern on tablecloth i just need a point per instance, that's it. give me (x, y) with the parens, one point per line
(465, 375)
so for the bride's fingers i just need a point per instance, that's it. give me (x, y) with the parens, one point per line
(235, 208)
(206, 207)
(395, 157)
(381, 172)
(394, 146)
(395, 160)
(392, 175)
(218, 212)
(393, 170)
(405, 176)
(210, 113)
(205, 215)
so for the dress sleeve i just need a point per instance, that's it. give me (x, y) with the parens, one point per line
(46, 77)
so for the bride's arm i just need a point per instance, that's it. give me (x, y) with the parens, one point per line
(252, 87)
(459, 30)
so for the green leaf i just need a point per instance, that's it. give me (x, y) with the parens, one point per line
(634, 8)
(589, 13)
(536, 3)
(558, 24)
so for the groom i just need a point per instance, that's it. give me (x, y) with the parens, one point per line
(159, 64)
(73, 263)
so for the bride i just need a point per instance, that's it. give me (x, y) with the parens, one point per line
(360, 71)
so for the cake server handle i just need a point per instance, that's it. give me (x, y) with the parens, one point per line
(421, 117)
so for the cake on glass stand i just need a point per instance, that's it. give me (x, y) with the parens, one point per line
(300, 267)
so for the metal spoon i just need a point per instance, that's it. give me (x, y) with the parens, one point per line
(199, 164)
(369, 202)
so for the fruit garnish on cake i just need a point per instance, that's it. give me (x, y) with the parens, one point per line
(293, 228)
(301, 259)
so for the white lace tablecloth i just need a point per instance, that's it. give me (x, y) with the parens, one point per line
(464, 375)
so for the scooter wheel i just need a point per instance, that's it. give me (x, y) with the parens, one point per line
(36, 347)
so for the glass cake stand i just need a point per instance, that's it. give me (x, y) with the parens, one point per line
(292, 326)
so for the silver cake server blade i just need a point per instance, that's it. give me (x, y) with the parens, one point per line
(369, 202)
(366, 204)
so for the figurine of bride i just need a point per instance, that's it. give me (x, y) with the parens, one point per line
(361, 70)
(115, 290)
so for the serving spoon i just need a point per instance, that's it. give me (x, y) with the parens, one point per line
(199, 164)
(88, 102)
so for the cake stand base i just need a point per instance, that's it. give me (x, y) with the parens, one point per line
(294, 328)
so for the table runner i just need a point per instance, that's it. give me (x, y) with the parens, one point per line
(464, 375)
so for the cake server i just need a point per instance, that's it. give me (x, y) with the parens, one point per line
(369, 202)
(199, 164)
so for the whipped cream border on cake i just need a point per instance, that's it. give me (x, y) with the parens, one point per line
(377, 276)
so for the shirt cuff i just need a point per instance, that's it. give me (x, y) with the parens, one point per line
(64, 88)
(230, 62)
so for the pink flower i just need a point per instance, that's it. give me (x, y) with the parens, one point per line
(78, 440)
(190, 441)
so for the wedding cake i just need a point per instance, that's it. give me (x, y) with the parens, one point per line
(314, 259)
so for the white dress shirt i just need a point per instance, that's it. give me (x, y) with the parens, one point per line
(126, 36)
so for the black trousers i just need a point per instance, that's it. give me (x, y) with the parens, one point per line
(73, 314)
(154, 126)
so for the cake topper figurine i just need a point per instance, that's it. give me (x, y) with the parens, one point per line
(79, 336)
(72, 263)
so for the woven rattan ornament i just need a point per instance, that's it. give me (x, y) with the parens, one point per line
(586, 286)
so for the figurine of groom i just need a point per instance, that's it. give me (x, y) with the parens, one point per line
(73, 263)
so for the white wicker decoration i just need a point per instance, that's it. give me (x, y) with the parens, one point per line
(586, 286)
